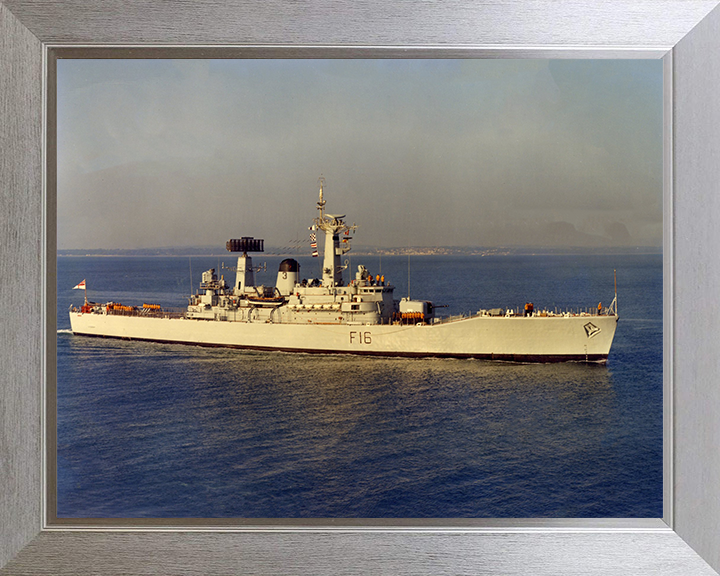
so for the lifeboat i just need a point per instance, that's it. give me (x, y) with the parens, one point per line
(266, 302)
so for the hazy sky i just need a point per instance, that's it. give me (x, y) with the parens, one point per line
(417, 152)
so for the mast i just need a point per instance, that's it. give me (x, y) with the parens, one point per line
(333, 225)
(615, 300)
(613, 305)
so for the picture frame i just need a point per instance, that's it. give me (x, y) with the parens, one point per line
(686, 540)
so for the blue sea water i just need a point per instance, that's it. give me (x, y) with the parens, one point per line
(161, 430)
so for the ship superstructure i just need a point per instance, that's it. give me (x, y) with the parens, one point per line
(358, 316)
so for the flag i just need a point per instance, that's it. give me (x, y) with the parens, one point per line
(313, 245)
(315, 253)
(80, 286)
(313, 237)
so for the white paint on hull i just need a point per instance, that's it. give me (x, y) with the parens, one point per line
(554, 337)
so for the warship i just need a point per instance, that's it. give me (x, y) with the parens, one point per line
(355, 316)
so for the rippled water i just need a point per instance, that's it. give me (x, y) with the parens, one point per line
(158, 430)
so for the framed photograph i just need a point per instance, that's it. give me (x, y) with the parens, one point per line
(69, 518)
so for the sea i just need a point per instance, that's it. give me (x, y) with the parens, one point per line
(150, 430)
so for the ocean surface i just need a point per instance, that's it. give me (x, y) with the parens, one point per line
(160, 430)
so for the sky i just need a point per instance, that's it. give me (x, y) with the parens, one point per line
(157, 153)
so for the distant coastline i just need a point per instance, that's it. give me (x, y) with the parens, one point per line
(187, 251)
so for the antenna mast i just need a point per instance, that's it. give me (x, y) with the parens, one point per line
(321, 202)
(615, 278)
(332, 225)
(613, 307)
(408, 276)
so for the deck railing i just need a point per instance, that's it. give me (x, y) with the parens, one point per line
(149, 313)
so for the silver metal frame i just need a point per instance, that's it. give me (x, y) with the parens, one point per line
(40, 544)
